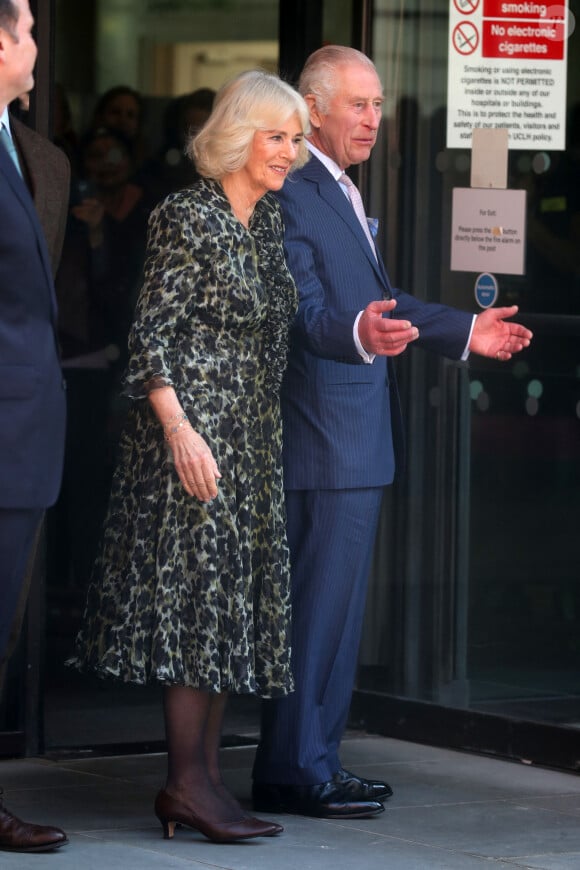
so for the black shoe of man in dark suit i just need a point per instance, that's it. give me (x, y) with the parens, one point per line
(325, 800)
(362, 789)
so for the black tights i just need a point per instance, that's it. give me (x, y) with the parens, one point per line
(193, 727)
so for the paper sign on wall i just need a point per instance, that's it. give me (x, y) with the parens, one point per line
(507, 68)
(488, 231)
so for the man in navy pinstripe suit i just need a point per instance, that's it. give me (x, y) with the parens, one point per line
(342, 434)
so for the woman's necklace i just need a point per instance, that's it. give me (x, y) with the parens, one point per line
(244, 212)
(242, 209)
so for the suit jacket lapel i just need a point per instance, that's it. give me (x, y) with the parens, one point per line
(331, 191)
(20, 190)
(36, 164)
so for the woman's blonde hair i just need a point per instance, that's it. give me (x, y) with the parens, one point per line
(254, 100)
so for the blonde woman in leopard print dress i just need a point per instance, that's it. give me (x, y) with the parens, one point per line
(191, 587)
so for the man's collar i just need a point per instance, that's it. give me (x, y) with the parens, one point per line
(327, 161)
(5, 120)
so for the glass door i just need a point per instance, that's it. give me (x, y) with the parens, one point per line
(475, 603)
(149, 68)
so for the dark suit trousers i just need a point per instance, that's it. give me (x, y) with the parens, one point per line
(18, 530)
(331, 535)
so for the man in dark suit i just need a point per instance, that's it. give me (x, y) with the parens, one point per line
(32, 398)
(342, 433)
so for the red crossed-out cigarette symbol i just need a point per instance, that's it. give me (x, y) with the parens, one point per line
(466, 7)
(465, 37)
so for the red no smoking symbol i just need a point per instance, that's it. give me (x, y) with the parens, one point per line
(465, 37)
(466, 7)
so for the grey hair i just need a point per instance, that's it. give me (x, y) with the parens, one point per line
(9, 15)
(254, 100)
(319, 74)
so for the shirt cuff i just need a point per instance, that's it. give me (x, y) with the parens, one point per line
(367, 358)
(465, 353)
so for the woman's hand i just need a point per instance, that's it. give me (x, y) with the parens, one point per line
(194, 462)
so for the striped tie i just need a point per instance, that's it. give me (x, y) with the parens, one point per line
(357, 204)
(6, 140)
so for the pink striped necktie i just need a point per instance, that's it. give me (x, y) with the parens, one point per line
(359, 210)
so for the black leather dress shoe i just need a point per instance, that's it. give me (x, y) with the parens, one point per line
(326, 800)
(19, 836)
(362, 789)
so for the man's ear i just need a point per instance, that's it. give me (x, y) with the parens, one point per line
(315, 117)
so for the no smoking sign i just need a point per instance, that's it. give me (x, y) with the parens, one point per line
(465, 37)
(466, 7)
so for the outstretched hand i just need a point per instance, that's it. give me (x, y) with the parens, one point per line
(495, 337)
(385, 336)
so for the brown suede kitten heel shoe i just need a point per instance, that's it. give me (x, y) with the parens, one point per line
(170, 812)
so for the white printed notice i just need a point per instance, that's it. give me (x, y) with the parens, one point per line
(488, 230)
(507, 68)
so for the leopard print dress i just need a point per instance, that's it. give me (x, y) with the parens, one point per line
(186, 593)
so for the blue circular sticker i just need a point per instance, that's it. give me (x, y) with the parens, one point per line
(486, 290)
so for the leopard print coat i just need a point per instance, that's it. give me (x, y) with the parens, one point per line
(186, 593)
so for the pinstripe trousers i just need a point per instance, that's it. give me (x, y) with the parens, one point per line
(331, 535)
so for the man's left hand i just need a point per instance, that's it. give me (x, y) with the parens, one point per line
(493, 336)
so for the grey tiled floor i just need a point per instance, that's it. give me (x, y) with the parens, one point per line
(449, 810)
